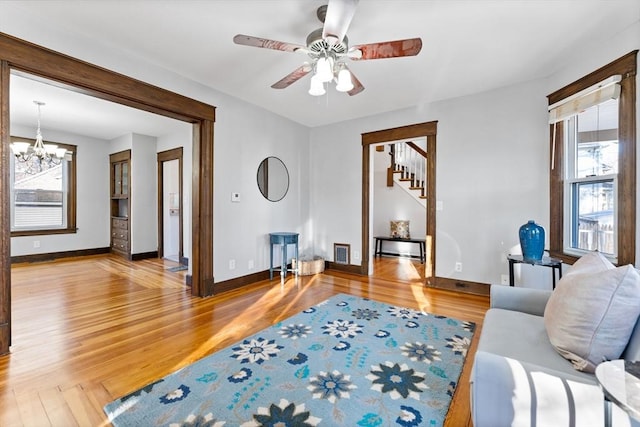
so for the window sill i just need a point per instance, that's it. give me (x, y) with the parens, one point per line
(43, 232)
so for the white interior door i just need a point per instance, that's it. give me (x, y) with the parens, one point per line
(171, 209)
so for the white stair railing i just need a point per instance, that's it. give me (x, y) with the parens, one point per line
(408, 167)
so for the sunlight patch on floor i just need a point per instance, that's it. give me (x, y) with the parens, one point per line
(237, 329)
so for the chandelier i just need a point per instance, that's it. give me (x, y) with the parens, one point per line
(39, 154)
(327, 69)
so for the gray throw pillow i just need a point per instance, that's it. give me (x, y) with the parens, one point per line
(592, 312)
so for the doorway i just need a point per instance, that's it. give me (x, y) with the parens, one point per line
(102, 83)
(426, 130)
(170, 221)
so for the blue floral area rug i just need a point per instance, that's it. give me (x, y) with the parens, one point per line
(346, 361)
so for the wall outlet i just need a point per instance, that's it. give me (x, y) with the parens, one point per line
(439, 205)
(458, 267)
(356, 254)
(232, 264)
(36, 243)
(504, 279)
(250, 264)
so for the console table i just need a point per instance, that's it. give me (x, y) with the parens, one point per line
(283, 239)
(380, 239)
(553, 263)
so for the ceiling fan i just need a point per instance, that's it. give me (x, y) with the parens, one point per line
(328, 48)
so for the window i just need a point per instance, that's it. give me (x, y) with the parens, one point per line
(591, 174)
(592, 179)
(43, 194)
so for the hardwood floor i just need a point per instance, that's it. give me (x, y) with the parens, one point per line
(89, 330)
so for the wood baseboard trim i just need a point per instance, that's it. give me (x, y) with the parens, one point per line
(57, 255)
(475, 288)
(238, 282)
(345, 268)
(144, 255)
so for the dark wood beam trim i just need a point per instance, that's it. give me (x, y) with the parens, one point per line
(623, 65)
(404, 132)
(366, 197)
(202, 209)
(5, 235)
(90, 79)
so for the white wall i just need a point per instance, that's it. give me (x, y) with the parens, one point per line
(92, 216)
(244, 136)
(144, 195)
(490, 176)
(492, 168)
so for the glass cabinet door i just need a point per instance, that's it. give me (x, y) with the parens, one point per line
(125, 178)
(117, 179)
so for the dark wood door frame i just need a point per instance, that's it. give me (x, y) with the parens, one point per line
(426, 130)
(167, 156)
(20, 56)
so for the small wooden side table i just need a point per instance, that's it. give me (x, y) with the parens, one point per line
(283, 239)
(554, 263)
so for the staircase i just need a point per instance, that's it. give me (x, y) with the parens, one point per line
(408, 170)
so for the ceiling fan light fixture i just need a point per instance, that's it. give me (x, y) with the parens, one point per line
(324, 69)
(317, 87)
(344, 81)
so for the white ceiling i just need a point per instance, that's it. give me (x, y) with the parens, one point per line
(469, 46)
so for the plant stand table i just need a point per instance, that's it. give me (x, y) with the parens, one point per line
(283, 239)
(554, 263)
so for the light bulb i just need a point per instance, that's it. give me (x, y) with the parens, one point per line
(324, 69)
(344, 81)
(317, 87)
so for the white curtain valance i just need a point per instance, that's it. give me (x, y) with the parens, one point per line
(594, 95)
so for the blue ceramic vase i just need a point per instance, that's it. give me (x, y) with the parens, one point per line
(532, 241)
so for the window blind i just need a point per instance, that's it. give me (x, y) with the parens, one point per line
(594, 95)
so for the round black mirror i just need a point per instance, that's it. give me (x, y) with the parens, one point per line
(273, 179)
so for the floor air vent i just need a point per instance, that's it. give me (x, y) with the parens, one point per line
(341, 253)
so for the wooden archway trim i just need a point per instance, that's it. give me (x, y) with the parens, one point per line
(426, 130)
(80, 76)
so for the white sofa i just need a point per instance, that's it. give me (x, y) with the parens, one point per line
(518, 377)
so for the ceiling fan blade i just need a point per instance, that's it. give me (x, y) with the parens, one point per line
(357, 86)
(392, 49)
(338, 18)
(292, 77)
(265, 43)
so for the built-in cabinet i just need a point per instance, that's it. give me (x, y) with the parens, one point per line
(121, 203)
